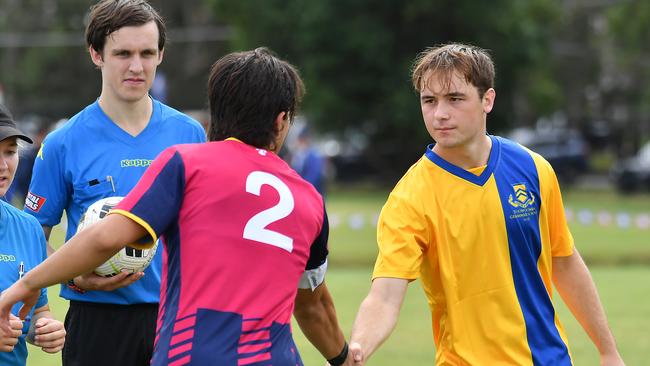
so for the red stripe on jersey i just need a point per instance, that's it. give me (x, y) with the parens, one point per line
(173, 352)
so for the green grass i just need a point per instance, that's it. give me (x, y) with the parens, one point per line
(354, 247)
(610, 244)
(412, 340)
(607, 200)
(625, 293)
(625, 290)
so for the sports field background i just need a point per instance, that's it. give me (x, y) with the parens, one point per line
(619, 260)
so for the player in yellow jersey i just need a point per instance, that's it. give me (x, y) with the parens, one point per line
(480, 220)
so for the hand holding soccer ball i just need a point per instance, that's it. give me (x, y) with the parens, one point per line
(129, 258)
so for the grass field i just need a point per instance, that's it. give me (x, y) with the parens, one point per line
(618, 259)
(625, 293)
(412, 341)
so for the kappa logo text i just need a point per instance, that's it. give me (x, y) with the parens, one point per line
(7, 258)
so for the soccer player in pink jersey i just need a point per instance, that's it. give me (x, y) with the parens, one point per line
(245, 236)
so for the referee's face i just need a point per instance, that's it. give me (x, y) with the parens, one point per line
(128, 62)
(8, 163)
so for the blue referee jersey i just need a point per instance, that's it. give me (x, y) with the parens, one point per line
(90, 158)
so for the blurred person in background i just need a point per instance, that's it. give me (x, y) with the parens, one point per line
(240, 258)
(22, 248)
(159, 87)
(308, 161)
(480, 221)
(102, 152)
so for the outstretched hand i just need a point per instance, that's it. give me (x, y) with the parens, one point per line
(356, 354)
(16, 293)
(351, 360)
(94, 282)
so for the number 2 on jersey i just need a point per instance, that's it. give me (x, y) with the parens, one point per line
(255, 228)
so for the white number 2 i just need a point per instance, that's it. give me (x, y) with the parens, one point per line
(255, 228)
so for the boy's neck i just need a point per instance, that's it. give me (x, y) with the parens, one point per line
(467, 156)
(132, 117)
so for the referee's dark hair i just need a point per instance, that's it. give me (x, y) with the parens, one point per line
(246, 93)
(108, 16)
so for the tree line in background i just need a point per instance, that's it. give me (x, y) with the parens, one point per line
(587, 59)
(45, 68)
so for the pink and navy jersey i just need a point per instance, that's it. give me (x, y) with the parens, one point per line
(240, 228)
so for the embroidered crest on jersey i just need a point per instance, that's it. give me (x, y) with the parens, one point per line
(34, 202)
(522, 198)
(523, 202)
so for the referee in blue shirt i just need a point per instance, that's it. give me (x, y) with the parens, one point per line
(102, 152)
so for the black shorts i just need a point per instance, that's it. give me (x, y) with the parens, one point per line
(109, 334)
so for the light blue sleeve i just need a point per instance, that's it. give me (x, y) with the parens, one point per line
(200, 133)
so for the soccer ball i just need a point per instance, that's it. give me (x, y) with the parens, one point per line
(128, 258)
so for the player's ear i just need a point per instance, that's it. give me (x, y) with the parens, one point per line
(160, 56)
(97, 57)
(282, 124)
(282, 121)
(488, 100)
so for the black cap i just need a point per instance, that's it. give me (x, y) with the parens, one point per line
(8, 126)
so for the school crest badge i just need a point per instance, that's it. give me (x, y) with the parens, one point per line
(522, 198)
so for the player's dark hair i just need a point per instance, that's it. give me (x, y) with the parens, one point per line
(247, 91)
(473, 63)
(108, 16)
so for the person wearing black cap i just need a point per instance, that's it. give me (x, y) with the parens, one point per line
(18, 190)
(22, 248)
(8, 126)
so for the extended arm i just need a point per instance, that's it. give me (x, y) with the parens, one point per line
(377, 317)
(316, 316)
(91, 281)
(576, 287)
(84, 252)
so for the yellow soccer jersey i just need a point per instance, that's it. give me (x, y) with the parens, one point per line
(482, 246)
